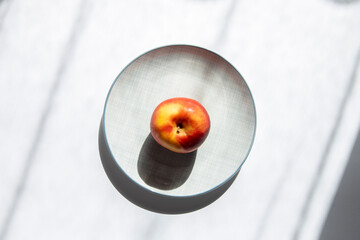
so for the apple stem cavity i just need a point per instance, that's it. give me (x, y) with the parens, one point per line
(179, 126)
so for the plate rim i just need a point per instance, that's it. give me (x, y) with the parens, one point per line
(253, 134)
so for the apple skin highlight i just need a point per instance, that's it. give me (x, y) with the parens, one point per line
(180, 124)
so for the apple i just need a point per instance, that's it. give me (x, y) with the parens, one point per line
(180, 124)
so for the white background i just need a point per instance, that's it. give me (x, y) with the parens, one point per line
(58, 59)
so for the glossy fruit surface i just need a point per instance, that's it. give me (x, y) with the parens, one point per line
(180, 124)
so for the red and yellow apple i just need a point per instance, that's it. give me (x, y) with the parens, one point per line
(180, 124)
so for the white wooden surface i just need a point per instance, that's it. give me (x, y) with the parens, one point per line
(59, 58)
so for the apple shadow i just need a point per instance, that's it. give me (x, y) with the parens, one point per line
(161, 168)
(150, 200)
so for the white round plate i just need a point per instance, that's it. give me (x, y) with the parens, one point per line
(156, 178)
